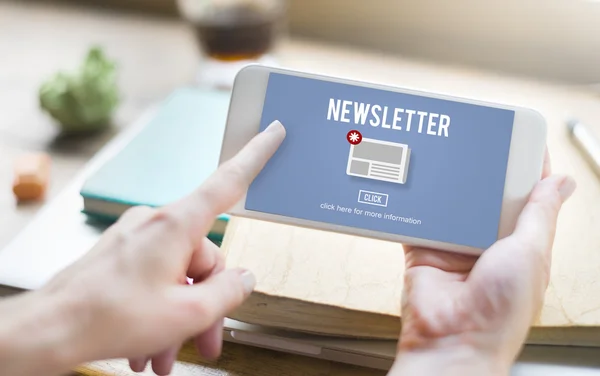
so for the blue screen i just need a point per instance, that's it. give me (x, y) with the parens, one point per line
(385, 161)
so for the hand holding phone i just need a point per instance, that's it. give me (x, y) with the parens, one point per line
(395, 164)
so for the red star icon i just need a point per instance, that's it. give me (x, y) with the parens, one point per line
(354, 137)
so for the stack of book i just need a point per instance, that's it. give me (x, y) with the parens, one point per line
(169, 158)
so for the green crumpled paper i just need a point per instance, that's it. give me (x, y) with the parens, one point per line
(84, 100)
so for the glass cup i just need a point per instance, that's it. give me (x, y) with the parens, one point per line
(232, 34)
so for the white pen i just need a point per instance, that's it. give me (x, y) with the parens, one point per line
(586, 142)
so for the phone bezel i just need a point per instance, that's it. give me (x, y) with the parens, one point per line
(524, 170)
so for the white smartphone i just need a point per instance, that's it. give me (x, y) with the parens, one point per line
(385, 162)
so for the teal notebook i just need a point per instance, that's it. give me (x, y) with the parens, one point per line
(170, 157)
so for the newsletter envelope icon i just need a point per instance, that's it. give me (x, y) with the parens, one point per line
(379, 160)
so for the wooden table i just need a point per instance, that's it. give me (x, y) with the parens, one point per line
(155, 57)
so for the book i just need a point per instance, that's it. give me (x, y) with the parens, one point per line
(340, 285)
(316, 281)
(170, 157)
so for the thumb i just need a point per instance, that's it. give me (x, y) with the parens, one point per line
(526, 253)
(536, 225)
(214, 298)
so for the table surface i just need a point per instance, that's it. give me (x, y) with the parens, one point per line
(155, 57)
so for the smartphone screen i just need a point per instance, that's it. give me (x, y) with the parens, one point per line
(385, 161)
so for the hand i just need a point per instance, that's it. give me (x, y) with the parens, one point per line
(129, 295)
(461, 313)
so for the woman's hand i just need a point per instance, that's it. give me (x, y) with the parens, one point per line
(129, 296)
(470, 316)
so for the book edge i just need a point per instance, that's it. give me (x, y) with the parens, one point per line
(584, 336)
(248, 310)
(212, 235)
(221, 217)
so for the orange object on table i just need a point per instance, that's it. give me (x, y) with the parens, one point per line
(32, 175)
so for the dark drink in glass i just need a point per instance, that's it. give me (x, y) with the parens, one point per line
(242, 32)
(233, 33)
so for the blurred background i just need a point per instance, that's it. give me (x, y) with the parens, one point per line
(558, 40)
(70, 67)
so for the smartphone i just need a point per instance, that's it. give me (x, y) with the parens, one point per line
(384, 162)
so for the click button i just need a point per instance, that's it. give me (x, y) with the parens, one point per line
(373, 198)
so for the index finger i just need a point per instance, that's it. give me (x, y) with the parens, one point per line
(227, 185)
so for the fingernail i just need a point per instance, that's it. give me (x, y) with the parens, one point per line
(248, 280)
(138, 365)
(567, 187)
(275, 126)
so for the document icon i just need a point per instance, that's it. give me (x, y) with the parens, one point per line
(379, 160)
